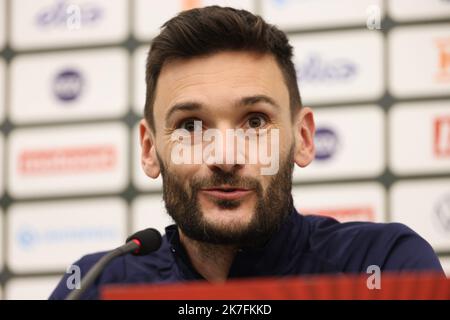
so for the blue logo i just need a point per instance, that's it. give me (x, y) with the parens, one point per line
(28, 237)
(315, 69)
(326, 141)
(68, 85)
(58, 14)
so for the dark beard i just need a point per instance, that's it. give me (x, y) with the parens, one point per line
(270, 212)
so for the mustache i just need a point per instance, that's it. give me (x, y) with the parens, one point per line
(226, 178)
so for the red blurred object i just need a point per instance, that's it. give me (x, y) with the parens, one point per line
(393, 287)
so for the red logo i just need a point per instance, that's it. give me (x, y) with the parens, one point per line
(443, 46)
(442, 136)
(343, 214)
(67, 160)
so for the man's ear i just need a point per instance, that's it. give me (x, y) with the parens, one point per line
(304, 130)
(149, 160)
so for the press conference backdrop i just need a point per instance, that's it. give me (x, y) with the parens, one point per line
(377, 74)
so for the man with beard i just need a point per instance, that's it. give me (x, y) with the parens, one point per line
(228, 69)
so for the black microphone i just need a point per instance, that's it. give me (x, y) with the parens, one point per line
(141, 243)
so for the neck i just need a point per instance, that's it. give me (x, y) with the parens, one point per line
(212, 261)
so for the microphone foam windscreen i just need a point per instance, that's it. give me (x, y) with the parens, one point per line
(150, 240)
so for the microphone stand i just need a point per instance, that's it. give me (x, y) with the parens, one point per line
(99, 266)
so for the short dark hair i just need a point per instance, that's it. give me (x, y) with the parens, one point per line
(212, 29)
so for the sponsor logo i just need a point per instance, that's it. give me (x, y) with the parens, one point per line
(343, 214)
(443, 47)
(67, 160)
(442, 136)
(315, 69)
(28, 237)
(442, 214)
(68, 85)
(59, 14)
(326, 141)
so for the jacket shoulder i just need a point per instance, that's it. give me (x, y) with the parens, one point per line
(354, 246)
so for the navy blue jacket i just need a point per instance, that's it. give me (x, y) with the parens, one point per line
(303, 245)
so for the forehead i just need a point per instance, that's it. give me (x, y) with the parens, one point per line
(218, 78)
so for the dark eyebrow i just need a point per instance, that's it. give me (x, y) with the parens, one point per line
(183, 106)
(251, 100)
(246, 101)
